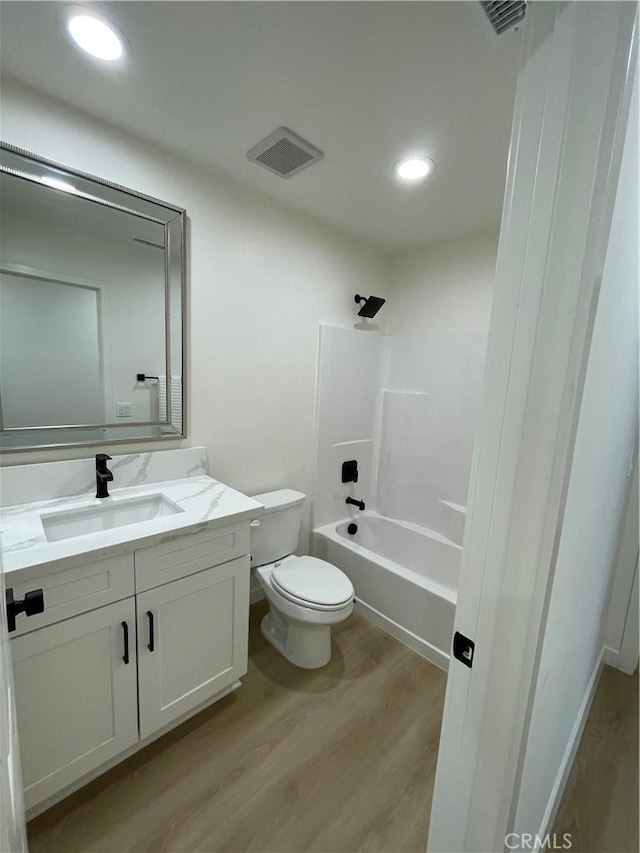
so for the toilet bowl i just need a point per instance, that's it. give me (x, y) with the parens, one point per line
(306, 596)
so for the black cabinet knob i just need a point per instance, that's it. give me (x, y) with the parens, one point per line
(32, 603)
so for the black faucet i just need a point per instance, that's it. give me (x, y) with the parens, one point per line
(103, 475)
(359, 504)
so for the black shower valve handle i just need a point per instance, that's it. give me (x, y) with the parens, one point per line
(350, 471)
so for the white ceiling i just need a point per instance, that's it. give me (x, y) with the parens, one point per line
(365, 82)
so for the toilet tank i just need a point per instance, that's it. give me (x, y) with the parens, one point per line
(276, 536)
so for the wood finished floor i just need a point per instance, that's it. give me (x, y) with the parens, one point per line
(339, 759)
(600, 804)
(336, 759)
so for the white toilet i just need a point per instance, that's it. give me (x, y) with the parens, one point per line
(306, 595)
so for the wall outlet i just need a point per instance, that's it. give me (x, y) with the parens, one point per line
(123, 410)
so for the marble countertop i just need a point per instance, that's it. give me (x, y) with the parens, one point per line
(205, 503)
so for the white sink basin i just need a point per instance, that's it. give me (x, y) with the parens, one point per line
(114, 512)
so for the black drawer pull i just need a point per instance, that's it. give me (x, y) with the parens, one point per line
(151, 645)
(30, 605)
(125, 630)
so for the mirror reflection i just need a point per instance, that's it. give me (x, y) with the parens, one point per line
(91, 299)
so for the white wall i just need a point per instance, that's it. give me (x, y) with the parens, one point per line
(261, 278)
(439, 309)
(444, 286)
(594, 514)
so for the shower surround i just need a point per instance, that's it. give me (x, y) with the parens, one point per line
(405, 408)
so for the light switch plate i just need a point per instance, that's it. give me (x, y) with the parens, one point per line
(123, 410)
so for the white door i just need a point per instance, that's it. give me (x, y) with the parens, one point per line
(76, 696)
(572, 102)
(49, 329)
(13, 834)
(192, 641)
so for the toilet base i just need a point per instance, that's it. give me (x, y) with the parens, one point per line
(306, 646)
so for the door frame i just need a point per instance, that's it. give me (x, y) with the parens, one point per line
(571, 110)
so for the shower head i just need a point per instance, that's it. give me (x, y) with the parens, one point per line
(371, 305)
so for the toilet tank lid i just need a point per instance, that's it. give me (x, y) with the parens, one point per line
(280, 499)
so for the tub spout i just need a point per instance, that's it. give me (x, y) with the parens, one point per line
(359, 504)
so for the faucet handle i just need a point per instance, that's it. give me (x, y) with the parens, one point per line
(102, 457)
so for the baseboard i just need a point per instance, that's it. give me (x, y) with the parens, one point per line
(615, 658)
(570, 752)
(611, 656)
(404, 636)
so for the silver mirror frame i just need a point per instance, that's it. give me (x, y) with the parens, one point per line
(132, 202)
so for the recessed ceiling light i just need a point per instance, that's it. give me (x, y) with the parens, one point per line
(94, 33)
(58, 184)
(413, 168)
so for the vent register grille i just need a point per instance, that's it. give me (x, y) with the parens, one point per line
(504, 15)
(284, 153)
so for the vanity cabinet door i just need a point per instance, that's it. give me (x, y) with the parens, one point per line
(76, 697)
(192, 641)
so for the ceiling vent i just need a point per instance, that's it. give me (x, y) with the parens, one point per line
(284, 153)
(502, 16)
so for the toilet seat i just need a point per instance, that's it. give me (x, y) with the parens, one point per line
(312, 583)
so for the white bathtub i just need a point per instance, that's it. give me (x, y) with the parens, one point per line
(405, 578)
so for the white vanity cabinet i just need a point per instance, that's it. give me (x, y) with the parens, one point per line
(76, 697)
(192, 641)
(94, 685)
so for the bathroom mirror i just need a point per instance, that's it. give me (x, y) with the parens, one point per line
(92, 284)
